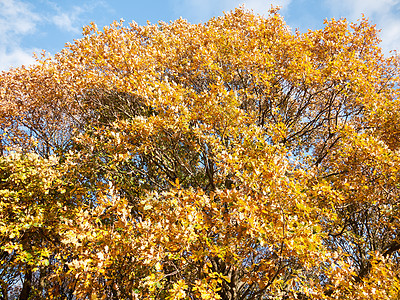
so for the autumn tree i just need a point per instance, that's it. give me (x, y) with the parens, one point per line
(233, 159)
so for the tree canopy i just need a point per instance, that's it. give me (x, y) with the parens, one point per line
(232, 159)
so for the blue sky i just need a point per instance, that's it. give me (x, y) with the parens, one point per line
(28, 26)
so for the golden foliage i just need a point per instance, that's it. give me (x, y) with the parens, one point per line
(227, 160)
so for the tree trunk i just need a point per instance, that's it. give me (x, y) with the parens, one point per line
(27, 286)
(4, 290)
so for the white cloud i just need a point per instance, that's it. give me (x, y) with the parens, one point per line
(260, 6)
(16, 57)
(20, 19)
(203, 10)
(384, 13)
(65, 22)
(69, 21)
(16, 20)
(355, 8)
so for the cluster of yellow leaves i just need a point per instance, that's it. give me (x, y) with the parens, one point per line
(227, 160)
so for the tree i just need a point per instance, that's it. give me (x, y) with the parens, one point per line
(227, 160)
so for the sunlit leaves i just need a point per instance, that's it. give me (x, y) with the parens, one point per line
(233, 159)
